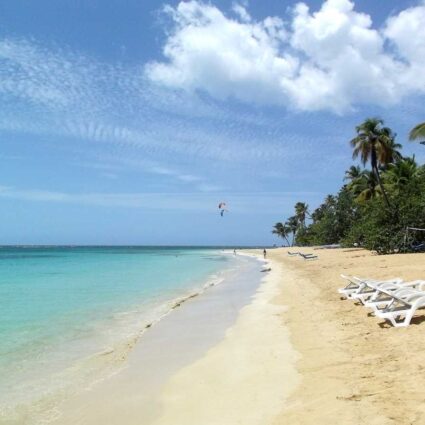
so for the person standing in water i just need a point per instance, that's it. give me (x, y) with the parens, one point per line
(264, 252)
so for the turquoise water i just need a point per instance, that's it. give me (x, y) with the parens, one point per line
(61, 305)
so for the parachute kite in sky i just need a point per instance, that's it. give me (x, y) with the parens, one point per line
(222, 208)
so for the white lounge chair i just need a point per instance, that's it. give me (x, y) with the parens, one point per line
(357, 285)
(353, 284)
(382, 298)
(401, 310)
(371, 289)
(309, 256)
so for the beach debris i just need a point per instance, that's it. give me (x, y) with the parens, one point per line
(223, 208)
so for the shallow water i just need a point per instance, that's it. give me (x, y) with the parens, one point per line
(132, 396)
(60, 306)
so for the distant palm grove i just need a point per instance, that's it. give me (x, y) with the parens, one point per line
(380, 207)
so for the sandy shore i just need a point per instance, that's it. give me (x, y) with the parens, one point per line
(355, 368)
(245, 379)
(299, 355)
(131, 396)
(294, 354)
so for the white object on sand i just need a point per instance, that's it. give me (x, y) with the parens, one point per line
(401, 311)
(357, 285)
(383, 297)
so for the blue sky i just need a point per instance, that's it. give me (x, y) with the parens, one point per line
(127, 122)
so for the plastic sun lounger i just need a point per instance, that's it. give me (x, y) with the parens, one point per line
(394, 297)
(353, 284)
(382, 298)
(357, 284)
(386, 292)
(401, 311)
(293, 253)
(309, 256)
(370, 289)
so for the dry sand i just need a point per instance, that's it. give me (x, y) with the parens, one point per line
(356, 369)
(345, 367)
(246, 378)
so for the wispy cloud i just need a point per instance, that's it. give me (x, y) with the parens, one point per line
(59, 93)
(240, 203)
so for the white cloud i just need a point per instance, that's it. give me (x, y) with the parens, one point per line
(332, 59)
(406, 32)
(221, 55)
(242, 12)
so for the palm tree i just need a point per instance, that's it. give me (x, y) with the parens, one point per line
(417, 132)
(398, 176)
(365, 187)
(375, 143)
(330, 200)
(318, 213)
(292, 224)
(282, 230)
(301, 212)
(392, 152)
(353, 173)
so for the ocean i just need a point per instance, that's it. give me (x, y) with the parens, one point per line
(63, 308)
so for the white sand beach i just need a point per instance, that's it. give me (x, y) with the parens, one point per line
(300, 355)
(246, 378)
(294, 353)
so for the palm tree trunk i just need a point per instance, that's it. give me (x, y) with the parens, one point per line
(374, 163)
(384, 194)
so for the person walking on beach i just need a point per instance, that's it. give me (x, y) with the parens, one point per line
(264, 252)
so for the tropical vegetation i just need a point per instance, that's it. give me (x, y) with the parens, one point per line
(378, 201)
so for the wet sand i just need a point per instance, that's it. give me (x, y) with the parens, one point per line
(246, 378)
(132, 395)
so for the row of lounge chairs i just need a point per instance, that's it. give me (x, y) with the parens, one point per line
(305, 256)
(393, 300)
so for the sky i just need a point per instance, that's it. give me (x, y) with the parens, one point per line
(128, 121)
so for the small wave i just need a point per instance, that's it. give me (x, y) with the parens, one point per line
(101, 365)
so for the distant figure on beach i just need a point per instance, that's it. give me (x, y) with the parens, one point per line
(234, 252)
(264, 252)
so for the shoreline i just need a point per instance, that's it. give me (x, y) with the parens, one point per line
(301, 356)
(274, 348)
(130, 396)
(71, 351)
(247, 377)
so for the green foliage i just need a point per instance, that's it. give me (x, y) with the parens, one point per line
(417, 132)
(283, 231)
(383, 230)
(376, 206)
(331, 220)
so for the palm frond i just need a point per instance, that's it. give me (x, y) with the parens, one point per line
(417, 132)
